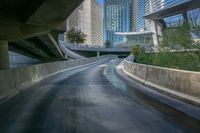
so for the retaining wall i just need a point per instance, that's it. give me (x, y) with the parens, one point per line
(12, 81)
(186, 82)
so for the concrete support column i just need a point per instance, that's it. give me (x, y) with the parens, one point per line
(4, 55)
(185, 17)
(98, 53)
(154, 36)
(154, 27)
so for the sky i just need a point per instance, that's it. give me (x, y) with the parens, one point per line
(100, 1)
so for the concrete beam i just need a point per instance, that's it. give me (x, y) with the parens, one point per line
(22, 19)
(40, 45)
(53, 12)
(52, 44)
(31, 47)
(22, 51)
(55, 43)
(15, 30)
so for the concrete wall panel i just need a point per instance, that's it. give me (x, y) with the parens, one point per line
(137, 70)
(16, 79)
(186, 82)
(7, 84)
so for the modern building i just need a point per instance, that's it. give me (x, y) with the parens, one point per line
(164, 14)
(88, 17)
(117, 18)
(124, 16)
(148, 18)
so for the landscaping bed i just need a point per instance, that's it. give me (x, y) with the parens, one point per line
(178, 60)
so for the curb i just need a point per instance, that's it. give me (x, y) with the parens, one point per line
(189, 108)
(184, 97)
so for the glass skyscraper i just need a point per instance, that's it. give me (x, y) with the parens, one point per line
(124, 16)
(128, 16)
(117, 18)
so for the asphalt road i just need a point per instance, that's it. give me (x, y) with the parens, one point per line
(89, 100)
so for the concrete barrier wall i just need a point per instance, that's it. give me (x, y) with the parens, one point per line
(137, 70)
(186, 82)
(14, 80)
(7, 83)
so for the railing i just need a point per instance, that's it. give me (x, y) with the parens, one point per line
(82, 47)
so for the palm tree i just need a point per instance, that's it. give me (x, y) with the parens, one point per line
(107, 44)
(75, 36)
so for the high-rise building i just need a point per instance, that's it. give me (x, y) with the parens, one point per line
(88, 18)
(144, 20)
(117, 18)
(122, 16)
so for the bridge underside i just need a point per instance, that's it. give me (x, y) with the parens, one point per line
(40, 47)
(29, 27)
(21, 19)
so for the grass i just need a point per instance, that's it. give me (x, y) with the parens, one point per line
(179, 60)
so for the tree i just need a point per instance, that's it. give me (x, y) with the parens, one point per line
(107, 44)
(135, 50)
(178, 38)
(75, 36)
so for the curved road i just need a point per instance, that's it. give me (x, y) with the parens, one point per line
(90, 99)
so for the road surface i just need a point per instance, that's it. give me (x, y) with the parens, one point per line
(90, 99)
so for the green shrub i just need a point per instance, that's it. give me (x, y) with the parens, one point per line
(177, 38)
(135, 50)
(178, 60)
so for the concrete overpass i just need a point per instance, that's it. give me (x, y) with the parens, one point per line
(32, 27)
(97, 51)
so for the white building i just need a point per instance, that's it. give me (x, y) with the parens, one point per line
(144, 32)
(88, 17)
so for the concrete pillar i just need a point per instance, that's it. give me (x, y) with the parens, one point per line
(98, 53)
(156, 28)
(155, 37)
(4, 55)
(185, 17)
(154, 25)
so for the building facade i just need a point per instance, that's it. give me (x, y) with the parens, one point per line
(125, 16)
(117, 18)
(88, 18)
(140, 29)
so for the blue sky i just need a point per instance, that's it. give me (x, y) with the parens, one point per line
(100, 1)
